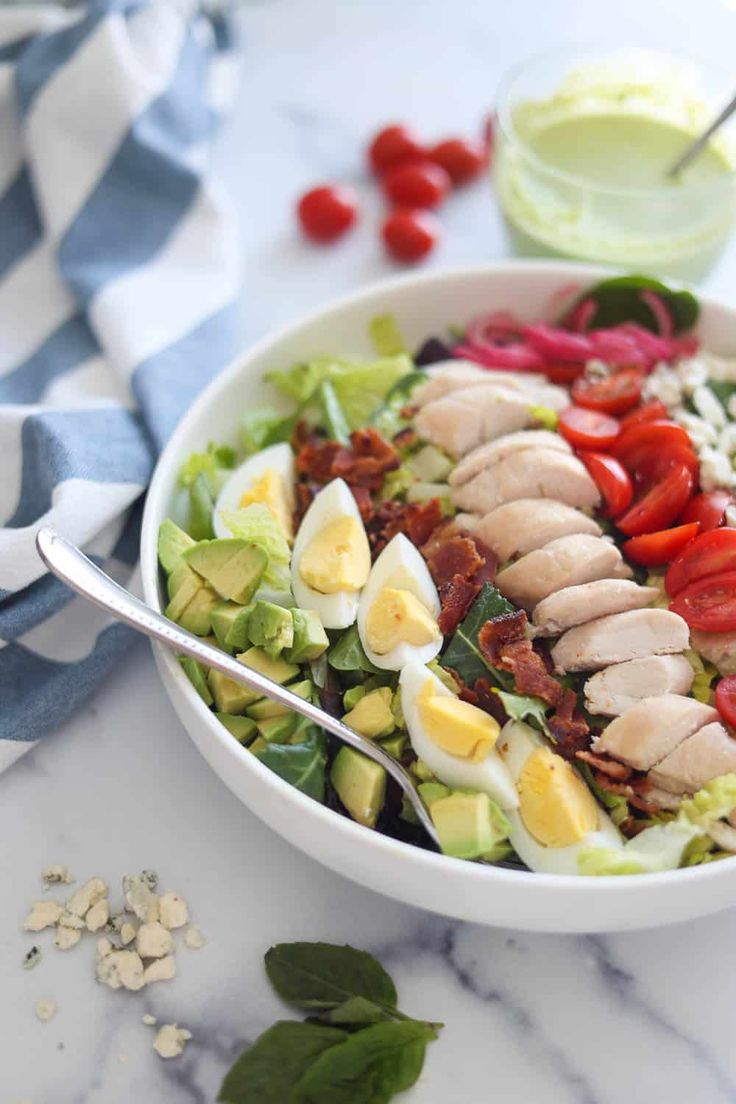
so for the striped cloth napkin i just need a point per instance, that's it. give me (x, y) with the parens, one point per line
(118, 277)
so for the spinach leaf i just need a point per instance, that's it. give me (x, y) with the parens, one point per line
(303, 765)
(619, 300)
(324, 976)
(463, 654)
(268, 1071)
(722, 389)
(522, 708)
(368, 1067)
(347, 653)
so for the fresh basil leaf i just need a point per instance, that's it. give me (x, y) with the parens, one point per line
(369, 1067)
(302, 765)
(324, 976)
(463, 654)
(347, 653)
(268, 1071)
(522, 708)
(357, 1012)
(619, 300)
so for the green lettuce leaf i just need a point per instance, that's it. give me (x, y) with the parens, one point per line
(386, 336)
(257, 525)
(263, 427)
(705, 672)
(521, 708)
(212, 463)
(545, 416)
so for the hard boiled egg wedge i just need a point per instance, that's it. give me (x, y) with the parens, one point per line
(557, 816)
(438, 721)
(268, 478)
(398, 611)
(331, 558)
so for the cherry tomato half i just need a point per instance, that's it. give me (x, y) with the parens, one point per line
(708, 509)
(726, 700)
(649, 463)
(653, 410)
(709, 604)
(461, 159)
(711, 554)
(416, 184)
(587, 429)
(653, 549)
(392, 145)
(611, 479)
(563, 371)
(660, 504)
(326, 213)
(410, 235)
(662, 435)
(612, 395)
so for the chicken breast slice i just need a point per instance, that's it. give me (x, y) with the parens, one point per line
(618, 688)
(453, 375)
(531, 473)
(471, 416)
(619, 637)
(644, 735)
(577, 604)
(564, 562)
(493, 451)
(707, 754)
(526, 524)
(717, 648)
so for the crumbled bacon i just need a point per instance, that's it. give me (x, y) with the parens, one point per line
(634, 791)
(405, 437)
(499, 632)
(611, 767)
(456, 596)
(364, 502)
(416, 520)
(315, 460)
(483, 695)
(363, 464)
(456, 556)
(570, 730)
(443, 532)
(530, 672)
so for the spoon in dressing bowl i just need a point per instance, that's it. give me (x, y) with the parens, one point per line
(74, 569)
(692, 151)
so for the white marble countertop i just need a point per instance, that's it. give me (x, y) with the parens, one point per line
(557, 1020)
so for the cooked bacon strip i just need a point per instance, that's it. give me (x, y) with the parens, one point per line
(500, 631)
(364, 464)
(570, 731)
(456, 597)
(416, 520)
(633, 790)
(456, 556)
(483, 695)
(611, 767)
(530, 673)
(405, 437)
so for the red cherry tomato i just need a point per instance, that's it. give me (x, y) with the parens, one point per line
(410, 235)
(652, 549)
(613, 395)
(416, 184)
(461, 159)
(587, 429)
(611, 479)
(653, 410)
(663, 434)
(326, 213)
(660, 504)
(726, 700)
(392, 145)
(711, 554)
(563, 371)
(709, 604)
(650, 463)
(708, 509)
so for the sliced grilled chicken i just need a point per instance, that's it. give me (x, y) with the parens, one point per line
(645, 734)
(577, 604)
(531, 473)
(528, 523)
(705, 755)
(662, 799)
(717, 648)
(564, 562)
(618, 637)
(618, 688)
(471, 416)
(493, 451)
(453, 375)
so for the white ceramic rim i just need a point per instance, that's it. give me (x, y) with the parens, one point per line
(534, 886)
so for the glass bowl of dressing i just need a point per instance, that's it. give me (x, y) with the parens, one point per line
(583, 143)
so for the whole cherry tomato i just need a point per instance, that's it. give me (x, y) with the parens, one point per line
(410, 235)
(613, 394)
(611, 479)
(416, 184)
(660, 504)
(652, 549)
(461, 159)
(392, 145)
(709, 604)
(327, 213)
(726, 700)
(587, 429)
(708, 509)
(711, 554)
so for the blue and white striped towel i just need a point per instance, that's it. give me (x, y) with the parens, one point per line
(118, 277)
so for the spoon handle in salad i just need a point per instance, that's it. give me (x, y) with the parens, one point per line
(69, 564)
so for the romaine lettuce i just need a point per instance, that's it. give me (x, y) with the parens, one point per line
(256, 524)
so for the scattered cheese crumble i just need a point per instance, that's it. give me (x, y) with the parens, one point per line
(46, 1009)
(57, 875)
(170, 1040)
(193, 938)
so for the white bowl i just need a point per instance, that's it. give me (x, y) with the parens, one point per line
(423, 304)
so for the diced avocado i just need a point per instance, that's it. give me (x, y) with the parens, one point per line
(197, 675)
(432, 791)
(264, 708)
(185, 581)
(468, 825)
(172, 541)
(421, 771)
(310, 638)
(396, 745)
(372, 716)
(259, 745)
(277, 669)
(230, 696)
(242, 728)
(196, 615)
(360, 784)
(352, 696)
(396, 709)
(201, 505)
(237, 639)
(271, 627)
(223, 617)
(232, 566)
(430, 464)
(277, 730)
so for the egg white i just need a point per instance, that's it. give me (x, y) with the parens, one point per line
(490, 775)
(335, 501)
(401, 567)
(278, 458)
(515, 744)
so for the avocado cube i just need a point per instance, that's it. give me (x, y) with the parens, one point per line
(223, 617)
(432, 791)
(230, 696)
(197, 675)
(196, 614)
(270, 627)
(277, 730)
(242, 728)
(276, 669)
(267, 708)
(172, 542)
(373, 716)
(310, 638)
(360, 784)
(183, 581)
(231, 566)
(201, 505)
(258, 746)
(468, 825)
(237, 639)
(396, 745)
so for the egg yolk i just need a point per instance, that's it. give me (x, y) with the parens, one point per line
(270, 490)
(556, 806)
(398, 617)
(456, 726)
(337, 558)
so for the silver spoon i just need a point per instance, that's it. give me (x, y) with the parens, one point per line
(692, 151)
(70, 565)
